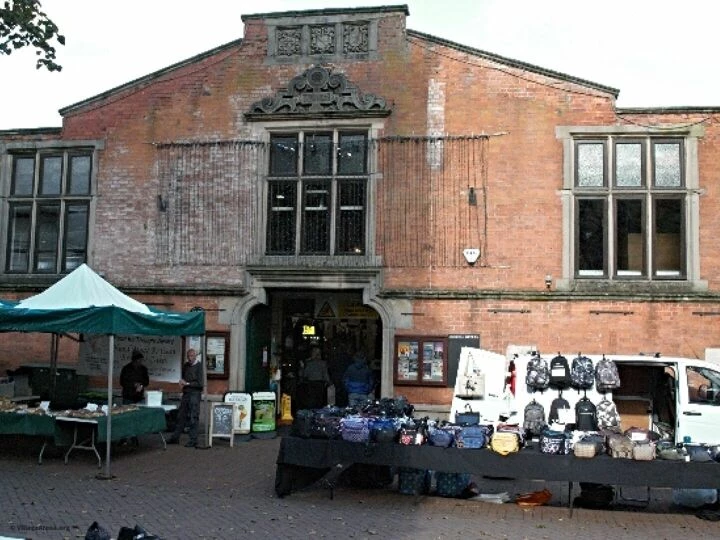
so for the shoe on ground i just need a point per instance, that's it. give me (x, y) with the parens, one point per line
(190, 444)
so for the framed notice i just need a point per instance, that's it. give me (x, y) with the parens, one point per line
(217, 346)
(421, 360)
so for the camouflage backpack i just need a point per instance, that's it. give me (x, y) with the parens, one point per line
(582, 373)
(538, 373)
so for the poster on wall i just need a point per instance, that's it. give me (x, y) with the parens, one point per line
(162, 354)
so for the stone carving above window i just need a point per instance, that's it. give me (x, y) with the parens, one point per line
(289, 41)
(318, 93)
(355, 38)
(322, 39)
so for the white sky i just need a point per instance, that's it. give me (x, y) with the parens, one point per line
(656, 52)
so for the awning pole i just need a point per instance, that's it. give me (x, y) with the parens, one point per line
(108, 423)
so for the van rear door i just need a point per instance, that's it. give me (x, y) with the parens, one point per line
(698, 414)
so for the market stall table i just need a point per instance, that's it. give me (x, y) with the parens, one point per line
(302, 462)
(83, 433)
(36, 425)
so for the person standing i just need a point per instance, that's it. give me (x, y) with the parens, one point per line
(134, 379)
(189, 412)
(358, 381)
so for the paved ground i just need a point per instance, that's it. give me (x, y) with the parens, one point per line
(223, 492)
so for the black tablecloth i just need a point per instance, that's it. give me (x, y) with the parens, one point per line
(302, 461)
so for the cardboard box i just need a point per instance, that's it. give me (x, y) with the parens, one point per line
(153, 398)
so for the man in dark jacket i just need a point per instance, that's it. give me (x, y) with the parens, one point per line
(192, 387)
(358, 381)
(134, 379)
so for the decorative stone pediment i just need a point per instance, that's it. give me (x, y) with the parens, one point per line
(318, 93)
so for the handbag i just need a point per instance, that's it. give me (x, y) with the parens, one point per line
(505, 442)
(468, 417)
(443, 437)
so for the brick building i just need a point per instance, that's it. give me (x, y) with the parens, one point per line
(336, 178)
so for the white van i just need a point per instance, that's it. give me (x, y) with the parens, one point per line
(676, 397)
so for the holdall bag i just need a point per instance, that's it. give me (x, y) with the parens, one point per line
(325, 427)
(505, 442)
(643, 451)
(554, 442)
(471, 437)
(383, 430)
(585, 449)
(620, 446)
(451, 484)
(414, 481)
(302, 424)
(442, 437)
(355, 429)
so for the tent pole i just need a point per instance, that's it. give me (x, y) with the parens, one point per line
(108, 424)
(203, 354)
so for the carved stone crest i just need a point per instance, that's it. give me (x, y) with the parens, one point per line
(318, 93)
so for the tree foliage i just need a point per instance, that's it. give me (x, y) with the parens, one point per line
(24, 24)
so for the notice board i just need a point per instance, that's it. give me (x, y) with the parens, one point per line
(163, 355)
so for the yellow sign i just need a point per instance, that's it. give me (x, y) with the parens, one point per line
(357, 311)
(308, 330)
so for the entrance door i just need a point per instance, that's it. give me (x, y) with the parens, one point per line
(257, 374)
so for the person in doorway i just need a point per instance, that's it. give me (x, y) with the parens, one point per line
(134, 379)
(315, 367)
(189, 411)
(358, 381)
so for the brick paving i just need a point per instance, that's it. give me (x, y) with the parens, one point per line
(226, 493)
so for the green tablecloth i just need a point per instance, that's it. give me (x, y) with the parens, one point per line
(128, 424)
(27, 424)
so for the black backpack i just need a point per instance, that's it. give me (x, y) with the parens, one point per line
(582, 373)
(586, 415)
(560, 372)
(534, 422)
(557, 403)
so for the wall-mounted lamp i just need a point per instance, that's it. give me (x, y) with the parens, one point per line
(548, 281)
(471, 255)
(472, 196)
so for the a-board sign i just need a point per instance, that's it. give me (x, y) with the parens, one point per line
(221, 421)
(163, 355)
(242, 420)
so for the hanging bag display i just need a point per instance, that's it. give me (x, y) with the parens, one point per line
(538, 373)
(471, 384)
(559, 372)
(582, 373)
(607, 377)
(534, 419)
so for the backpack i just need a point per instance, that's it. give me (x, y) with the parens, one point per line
(534, 421)
(538, 373)
(586, 415)
(606, 375)
(582, 373)
(557, 403)
(559, 372)
(607, 415)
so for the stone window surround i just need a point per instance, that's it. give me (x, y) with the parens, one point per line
(262, 132)
(568, 134)
(8, 149)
